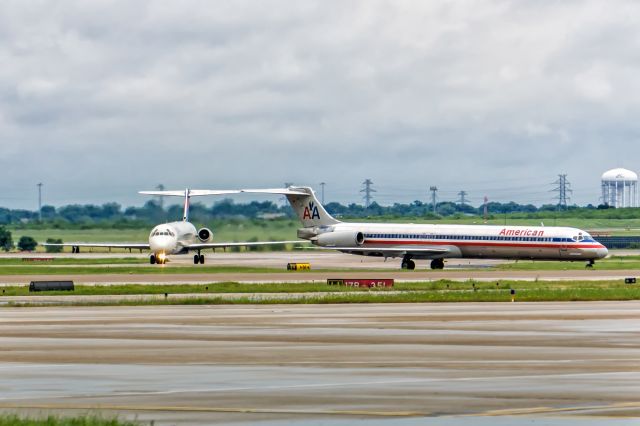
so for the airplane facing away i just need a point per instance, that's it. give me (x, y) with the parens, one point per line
(178, 237)
(436, 242)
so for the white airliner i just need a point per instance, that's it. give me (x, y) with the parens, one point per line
(436, 242)
(178, 237)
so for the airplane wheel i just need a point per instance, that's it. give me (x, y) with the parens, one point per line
(202, 259)
(437, 264)
(406, 262)
(152, 259)
(196, 259)
(411, 265)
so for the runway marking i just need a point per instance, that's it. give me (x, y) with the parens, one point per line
(215, 410)
(551, 410)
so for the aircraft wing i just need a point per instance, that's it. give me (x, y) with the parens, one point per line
(137, 246)
(391, 251)
(203, 246)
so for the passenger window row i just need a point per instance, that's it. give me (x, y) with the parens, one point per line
(470, 237)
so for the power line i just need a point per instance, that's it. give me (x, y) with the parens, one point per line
(486, 209)
(462, 199)
(563, 188)
(322, 185)
(367, 192)
(284, 199)
(40, 202)
(433, 190)
(160, 198)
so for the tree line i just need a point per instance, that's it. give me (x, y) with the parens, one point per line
(115, 216)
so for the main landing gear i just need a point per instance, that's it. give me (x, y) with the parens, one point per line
(157, 259)
(437, 264)
(198, 258)
(407, 263)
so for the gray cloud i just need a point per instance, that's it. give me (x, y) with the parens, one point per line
(100, 99)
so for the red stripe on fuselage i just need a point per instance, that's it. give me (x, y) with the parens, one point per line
(482, 243)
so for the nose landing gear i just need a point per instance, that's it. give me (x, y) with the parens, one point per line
(160, 259)
(590, 263)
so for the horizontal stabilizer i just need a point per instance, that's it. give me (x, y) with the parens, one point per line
(277, 191)
(192, 192)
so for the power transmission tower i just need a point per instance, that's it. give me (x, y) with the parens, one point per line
(322, 184)
(160, 198)
(367, 192)
(486, 209)
(284, 199)
(40, 202)
(563, 188)
(462, 200)
(433, 190)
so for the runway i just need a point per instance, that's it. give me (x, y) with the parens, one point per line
(409, 364)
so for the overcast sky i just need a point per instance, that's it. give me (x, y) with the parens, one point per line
(100, 99)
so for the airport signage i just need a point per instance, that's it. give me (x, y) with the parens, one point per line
(298, 266)
(361, 282)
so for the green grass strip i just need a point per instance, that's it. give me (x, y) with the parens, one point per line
(320, 287)
(18, 261)
(88, 420)
(441, 291)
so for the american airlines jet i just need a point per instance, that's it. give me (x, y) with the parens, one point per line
(436, 242)
(178, 237)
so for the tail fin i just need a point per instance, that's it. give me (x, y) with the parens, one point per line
(304, 202)
(187, 194)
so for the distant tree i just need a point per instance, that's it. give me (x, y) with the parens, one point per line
(6, 241)
(54, 249)
(48, 212)
(27, 243)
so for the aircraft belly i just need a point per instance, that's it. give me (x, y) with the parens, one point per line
(514, 252)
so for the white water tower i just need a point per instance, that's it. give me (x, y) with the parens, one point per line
(620, 188)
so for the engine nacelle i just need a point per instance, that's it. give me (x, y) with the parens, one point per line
(340, 239)
(205, 235)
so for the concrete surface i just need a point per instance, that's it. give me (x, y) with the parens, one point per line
(409, 364)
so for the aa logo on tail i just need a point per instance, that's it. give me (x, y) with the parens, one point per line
(311, 212)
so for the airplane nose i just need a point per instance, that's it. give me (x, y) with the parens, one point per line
(163, 244)
(602, 252)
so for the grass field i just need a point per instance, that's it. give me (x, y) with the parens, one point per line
(418, 292)
(234, 287)
(87, 420)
